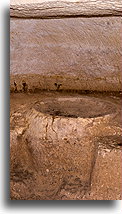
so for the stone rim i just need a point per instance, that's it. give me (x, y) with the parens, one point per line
(83, 107)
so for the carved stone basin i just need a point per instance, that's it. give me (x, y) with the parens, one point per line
(75, 107)
(63, 118)
(65, 145)
(55, 141)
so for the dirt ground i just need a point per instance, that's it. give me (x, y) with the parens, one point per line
(65, 146)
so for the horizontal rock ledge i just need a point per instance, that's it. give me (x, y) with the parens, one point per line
(62, 54)
(64, 8)
(35, 82)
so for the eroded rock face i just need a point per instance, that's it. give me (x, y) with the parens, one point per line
(107, 173)
(66, 54)
(56, 147)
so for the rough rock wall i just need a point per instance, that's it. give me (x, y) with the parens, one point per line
(70, 53)
(64, 8)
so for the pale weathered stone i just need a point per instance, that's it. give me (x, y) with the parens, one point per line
(61, 54)
(106, 183)
(64, 8)
(65, 147)
(54, 146)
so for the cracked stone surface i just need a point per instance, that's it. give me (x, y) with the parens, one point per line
(65, 146)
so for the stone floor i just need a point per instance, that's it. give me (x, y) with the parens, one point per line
(65, 146)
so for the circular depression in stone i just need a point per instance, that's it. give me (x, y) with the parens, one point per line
(85, 107)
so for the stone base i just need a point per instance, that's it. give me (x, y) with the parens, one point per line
(65, 147)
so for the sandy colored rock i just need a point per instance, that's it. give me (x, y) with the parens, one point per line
(106, 183)
(66, 54)
(64, 8)
(55, 153)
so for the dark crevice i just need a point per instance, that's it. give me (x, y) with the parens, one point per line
(25, 87)
(15, 87)
(37, 90)
(57, 86)
(67, 16)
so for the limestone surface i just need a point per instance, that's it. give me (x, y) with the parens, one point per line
(66, 54)
(65, 147)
